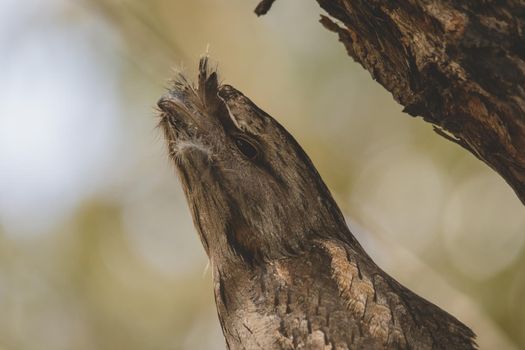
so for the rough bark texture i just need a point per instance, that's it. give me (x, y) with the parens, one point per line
(458, 64)
(288, 273)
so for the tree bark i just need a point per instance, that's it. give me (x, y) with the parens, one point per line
(458, 64)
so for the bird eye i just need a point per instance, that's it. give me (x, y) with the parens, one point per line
(246, 148)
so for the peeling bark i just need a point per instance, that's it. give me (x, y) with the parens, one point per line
(458, 64)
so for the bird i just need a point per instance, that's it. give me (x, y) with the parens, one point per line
(287, 271)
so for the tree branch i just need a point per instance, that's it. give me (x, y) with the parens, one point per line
(458, 64)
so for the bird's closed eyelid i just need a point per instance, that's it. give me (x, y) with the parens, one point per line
(247, 145)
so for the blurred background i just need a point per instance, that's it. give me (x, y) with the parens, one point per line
(97, 247)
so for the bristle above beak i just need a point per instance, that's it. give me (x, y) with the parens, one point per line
(208, 82)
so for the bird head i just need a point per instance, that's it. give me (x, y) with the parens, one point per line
(252, 190)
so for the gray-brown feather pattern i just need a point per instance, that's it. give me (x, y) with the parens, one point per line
(288, 274)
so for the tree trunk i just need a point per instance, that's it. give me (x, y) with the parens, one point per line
(458, 64)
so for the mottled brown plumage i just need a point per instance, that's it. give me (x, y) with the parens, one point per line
(288, 273)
